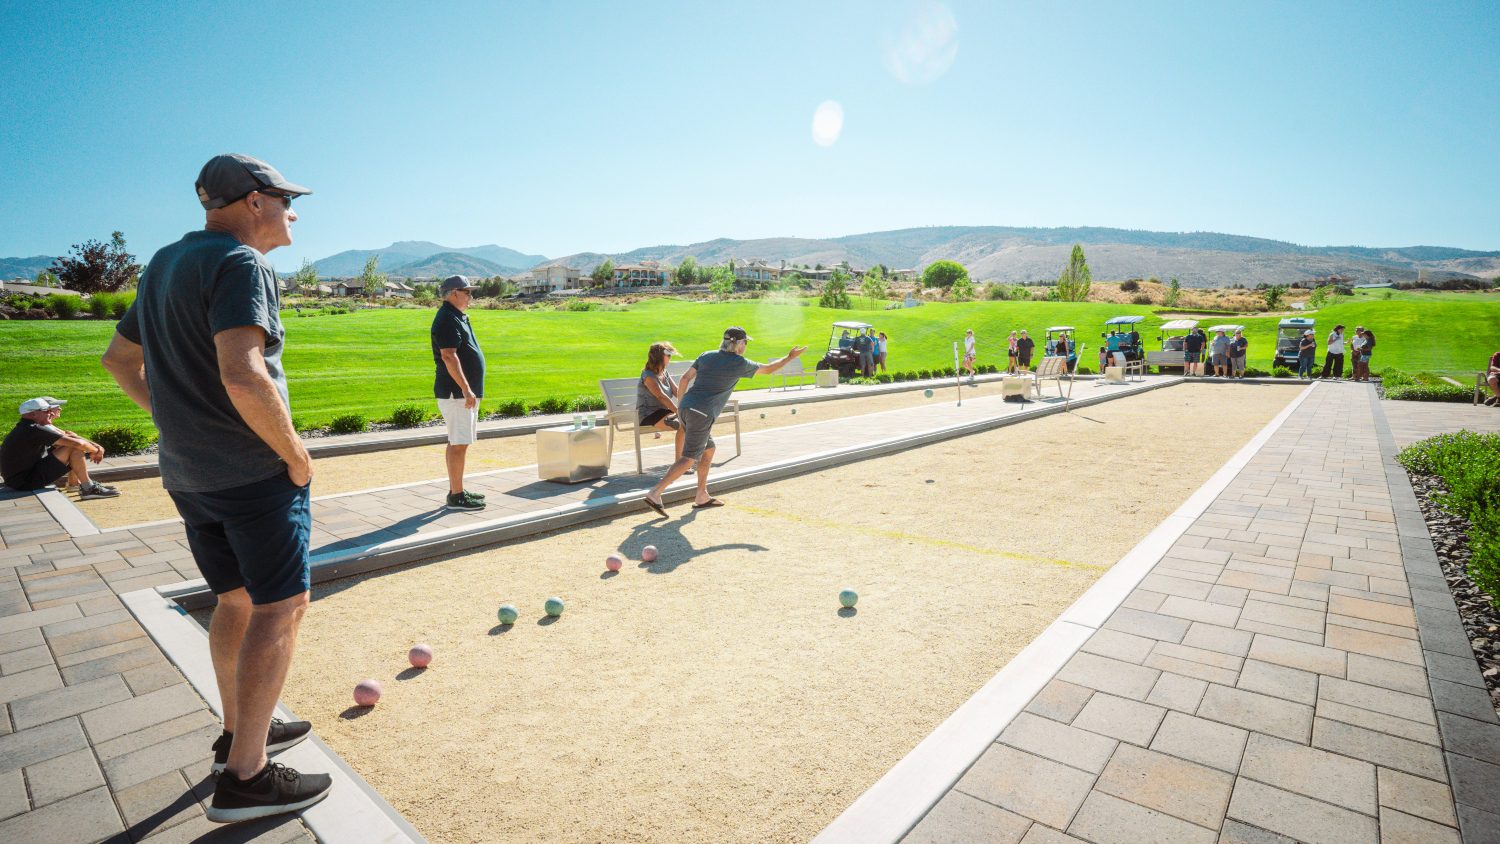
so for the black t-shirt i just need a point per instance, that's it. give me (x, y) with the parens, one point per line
(451, 330)
(1192, 344)
(1024, 347)
(24, 446)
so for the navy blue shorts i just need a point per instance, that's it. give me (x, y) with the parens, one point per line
(253, 536)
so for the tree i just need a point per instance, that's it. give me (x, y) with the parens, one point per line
(721, 281)
(1174, 292)
(686, 272)
(836, 291)
(875, 285)
(943, 274)
(373, 278)
(1073, 285)
(46, 278)
(1319, 297)
(98, 267)
(305, 279)
(962, 290)
(1274, 294)
(603, 273)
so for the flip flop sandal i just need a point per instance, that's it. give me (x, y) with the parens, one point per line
(712, 502)
(662, 511)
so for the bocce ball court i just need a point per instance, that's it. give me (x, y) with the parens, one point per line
(720, 693)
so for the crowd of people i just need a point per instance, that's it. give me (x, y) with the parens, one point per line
(870, 346)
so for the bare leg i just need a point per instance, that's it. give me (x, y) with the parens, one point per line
(678, 468)
(455, 458)
(260, 671)
(704, 464)
(77, 460)
(1495, 385)
(226, 634)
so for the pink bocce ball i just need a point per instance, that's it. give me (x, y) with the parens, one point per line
(367, 692)
(613, 562)
(420, 655)
(649, 553)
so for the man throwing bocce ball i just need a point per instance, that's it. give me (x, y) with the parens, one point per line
(458, 384)
(705, 388)
(200, 350)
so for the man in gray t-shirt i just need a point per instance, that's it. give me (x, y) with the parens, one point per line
(200, 350)
(705, 389)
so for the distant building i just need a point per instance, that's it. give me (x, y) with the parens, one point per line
(644, 274)
(553, 277)
(757, 271)
(1380, 285)
(347, 287)
(24, 286)
(398, 289)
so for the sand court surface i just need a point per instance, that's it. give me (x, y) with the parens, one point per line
(720, 694)
(144, 500)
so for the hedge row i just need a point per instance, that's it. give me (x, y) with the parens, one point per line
(1469, 466)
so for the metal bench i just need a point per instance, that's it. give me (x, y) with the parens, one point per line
(793, 371)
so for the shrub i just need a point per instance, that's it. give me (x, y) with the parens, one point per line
(1281, 372)
(924, 374)
(122, 439)
(553, 405)
(1442, 392)
(947, 372)
(884, 378)
(1252, 372)
(1391, 378)
(578, 305)
(512, 409)
(1469, 466)
(409, 416)
(584, 404)
(1084, 370)
(66, 307)
(119, 303)
(349, 423)
(1130, 285)
(98, 306)
(1141, 299)
(861, 380)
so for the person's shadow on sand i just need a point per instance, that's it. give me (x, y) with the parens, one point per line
(672, 548)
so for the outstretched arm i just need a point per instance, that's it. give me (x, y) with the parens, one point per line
(768, 368)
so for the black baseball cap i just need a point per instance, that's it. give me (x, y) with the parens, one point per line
(734, 332)
(454, 282)
(226, 179)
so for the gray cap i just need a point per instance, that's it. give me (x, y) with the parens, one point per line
(226, 179)
(454, 282)
(40, 403)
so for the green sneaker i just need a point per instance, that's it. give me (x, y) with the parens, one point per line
(463, 501)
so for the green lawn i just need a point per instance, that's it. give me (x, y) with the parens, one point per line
(372, 361)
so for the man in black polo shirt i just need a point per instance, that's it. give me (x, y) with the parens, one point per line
(1192, 353)
(458, 384)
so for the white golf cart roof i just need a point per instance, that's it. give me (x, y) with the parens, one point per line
(1296, 322)
(857, 325)
(1228, 328)
(1060, 328)
(1125, 320)
(1179, 325)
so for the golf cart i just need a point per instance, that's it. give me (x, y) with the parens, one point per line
(1072, 344)
(1121, 335)
(1171, 355)
(1288, 335)
(841, 356)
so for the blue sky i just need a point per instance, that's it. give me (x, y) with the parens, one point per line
(564, 127)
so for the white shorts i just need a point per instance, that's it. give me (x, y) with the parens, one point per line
(463, 422)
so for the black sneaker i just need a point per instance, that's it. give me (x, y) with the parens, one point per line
(91, 491)
(463, 501)
(276, 789)
(281, 736)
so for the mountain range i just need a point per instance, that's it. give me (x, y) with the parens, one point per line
(992, 253)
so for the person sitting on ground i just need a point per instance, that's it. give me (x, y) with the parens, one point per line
(656, 394)
(1221, 354)
(1237, 348)
(705, 390)
(1307, 347)
(1192, 354)
(1492, 377)
(36, 453)
(1024, 347)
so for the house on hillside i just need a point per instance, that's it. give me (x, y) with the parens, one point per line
(644, 274)
(398, 289)
(757, 271)
(908, 276)
(345, 287)
(549, 279)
